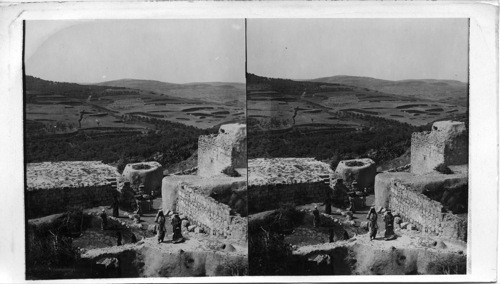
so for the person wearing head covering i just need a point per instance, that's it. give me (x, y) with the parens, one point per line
(104, 219)
(372, 223)
(389, 224)
(176, 226)
(316, 216)
(160, 228)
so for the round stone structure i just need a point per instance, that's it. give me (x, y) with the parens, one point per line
(361, 170)
(150, 174)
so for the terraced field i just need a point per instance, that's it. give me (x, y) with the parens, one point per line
(319, 103)
(86, 106)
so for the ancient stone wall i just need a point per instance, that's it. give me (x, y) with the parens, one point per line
(426, 213)
(447, 144)
(214, 217)
(226, 149)
(269, 196)
(361, 170)
(44, 202)
(214, 155)
(148, 174)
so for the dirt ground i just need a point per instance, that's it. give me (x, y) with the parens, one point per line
(306, 234)
(95, 237)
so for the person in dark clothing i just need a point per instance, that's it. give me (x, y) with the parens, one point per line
(133, 238)
(316, 216)
(176, 226)
(118, 238)
(339, 193)
(372, 223)
(104, 219)
(389, 224)
(328, 204)
(160, 229)
(331, 234)
(115, 207)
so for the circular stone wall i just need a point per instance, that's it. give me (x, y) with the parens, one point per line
(361, 170)
(149, 174)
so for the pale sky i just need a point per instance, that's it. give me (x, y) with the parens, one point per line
(176, 51)
(391, 49)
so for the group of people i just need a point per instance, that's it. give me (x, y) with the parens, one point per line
(161, 228)
(343, 197)
(373, 226)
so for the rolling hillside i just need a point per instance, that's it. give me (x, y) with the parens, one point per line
(450, 91)
(214, 92)
(276, 103)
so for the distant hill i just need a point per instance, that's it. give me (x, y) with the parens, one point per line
(217, 92)
(450, 91)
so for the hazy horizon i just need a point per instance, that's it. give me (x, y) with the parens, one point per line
(386, 49)
(344, 75)
(122, 79)
(175, 51)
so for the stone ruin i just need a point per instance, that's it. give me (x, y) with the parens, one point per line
(147, 174)
(55, 187)
(363, 171)
(212, 200)
(435, 202)
(276, 181)
(224, 151)
(446, 144)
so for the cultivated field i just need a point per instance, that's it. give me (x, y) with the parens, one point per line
(103, 107)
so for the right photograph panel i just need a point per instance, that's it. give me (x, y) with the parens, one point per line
(357, 146)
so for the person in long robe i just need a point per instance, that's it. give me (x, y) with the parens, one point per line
(316, 216)
(160, 229)
(372, 223)
(115, 207)
(389, 224)
(176, 226)
(104, 220)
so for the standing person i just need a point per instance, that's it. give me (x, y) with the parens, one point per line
(372, 223)
(339, 192)
(351, 203)
(118, 238)
(161, 229)
(115, 207)
(104, 220)
(133, 238)
(316, 216)
(328, 204)
(176, 226)
(389, 224)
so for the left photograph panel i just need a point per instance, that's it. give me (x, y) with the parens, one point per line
(135, 148)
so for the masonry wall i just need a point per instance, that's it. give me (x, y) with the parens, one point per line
(45, 202)
(457, 151)
(214, 217)
(268, 197)
(426, 213)
(214, 155)
(427, 152)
